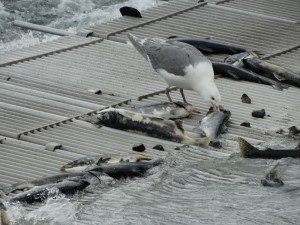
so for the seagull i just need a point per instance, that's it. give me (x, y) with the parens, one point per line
(180, 65)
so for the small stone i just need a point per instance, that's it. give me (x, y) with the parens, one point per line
(159, 147)
(245, 124)
(294, 130)
(139, 147)
(245, 99)
(280, 131)
(259, 113)
(216, 144)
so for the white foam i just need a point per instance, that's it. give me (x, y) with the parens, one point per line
(58, 211)
(72, 15)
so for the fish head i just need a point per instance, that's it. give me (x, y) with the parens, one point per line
(108, 117)
(78, 165)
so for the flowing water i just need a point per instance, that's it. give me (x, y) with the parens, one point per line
(224, 190)
(70, 15)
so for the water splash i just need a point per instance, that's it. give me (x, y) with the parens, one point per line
(70, 15)
(55, 211)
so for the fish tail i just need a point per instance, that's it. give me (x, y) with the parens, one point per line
(93, 119)
(5, 220)
(246, 148)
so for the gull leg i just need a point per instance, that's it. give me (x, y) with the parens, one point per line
(183, 97)
(168, 94)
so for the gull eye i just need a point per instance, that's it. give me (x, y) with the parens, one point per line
(212, 98)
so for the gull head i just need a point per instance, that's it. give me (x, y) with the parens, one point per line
(210, 94)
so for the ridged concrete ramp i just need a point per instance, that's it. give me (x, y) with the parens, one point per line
(46, 88)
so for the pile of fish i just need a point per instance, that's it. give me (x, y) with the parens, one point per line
(79, 174)
(244, 63)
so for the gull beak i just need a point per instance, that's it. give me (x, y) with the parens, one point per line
(215, 108)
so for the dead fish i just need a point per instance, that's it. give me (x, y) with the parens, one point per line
(213, 124)
(249, 151)
(211, 46)
(237, 59)
(265, 68)
(27, 185)
(272, 179)
(41, 193)
(87, 163)
(167, 110)
(146, 124)
(124, 170)
(66, 186)
(239, 73)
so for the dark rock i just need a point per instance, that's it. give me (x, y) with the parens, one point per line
(259, 113)
(294, 130)
(130, 11)
(159, 147)
(215, 144)
(245, 99)
(245, 124)
(139, 147)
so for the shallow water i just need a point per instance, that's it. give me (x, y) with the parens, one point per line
(217, 191)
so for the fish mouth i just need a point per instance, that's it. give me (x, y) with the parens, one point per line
(215, 107)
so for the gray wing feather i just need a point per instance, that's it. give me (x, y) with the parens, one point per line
(172, 56)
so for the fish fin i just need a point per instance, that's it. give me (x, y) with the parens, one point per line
(206, 49)
(258, 52)
(93, 119)
(103, 160)
(278, 77)
(280, 86)
(5, 220)
(231, 73)
(246, 148)
(273, 173)
(140, 157)
(173, 36)
(179, 125)
(203, 142)
(277, 87)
